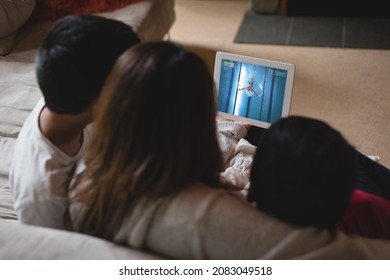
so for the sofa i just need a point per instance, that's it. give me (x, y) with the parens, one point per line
(19, 93)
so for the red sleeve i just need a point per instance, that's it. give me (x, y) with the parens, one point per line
(367, 215)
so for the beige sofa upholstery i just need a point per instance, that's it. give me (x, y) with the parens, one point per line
(18, 95)
(19, 241)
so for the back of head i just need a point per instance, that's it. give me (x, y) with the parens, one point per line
(155, 133)
(75, 58)
(304, 173)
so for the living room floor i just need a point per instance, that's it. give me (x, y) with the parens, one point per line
(348, 88)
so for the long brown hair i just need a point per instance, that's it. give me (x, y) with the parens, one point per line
(154, 134)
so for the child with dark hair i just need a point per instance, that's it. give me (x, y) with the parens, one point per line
(72, 64)
(304, 173)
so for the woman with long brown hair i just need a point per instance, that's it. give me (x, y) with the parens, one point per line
(154, 134)
(151, 179)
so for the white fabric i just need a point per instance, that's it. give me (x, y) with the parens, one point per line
(239, 165)
(229, 133)
(237, 155)
(40, 174)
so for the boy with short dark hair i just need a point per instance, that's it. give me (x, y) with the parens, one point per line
(73, 62)
(304, 173)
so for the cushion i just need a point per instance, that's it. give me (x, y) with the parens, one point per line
(13, 14)
(151, 19)
(6, 44)
(19, 93)
(52, 10)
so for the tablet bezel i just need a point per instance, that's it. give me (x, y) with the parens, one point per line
(261, 62)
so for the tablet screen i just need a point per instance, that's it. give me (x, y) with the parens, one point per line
(253, 92)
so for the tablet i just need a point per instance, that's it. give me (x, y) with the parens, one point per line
(251, 89)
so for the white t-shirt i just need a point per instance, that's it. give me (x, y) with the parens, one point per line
(40, 174)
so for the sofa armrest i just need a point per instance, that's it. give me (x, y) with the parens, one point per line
(19, 241)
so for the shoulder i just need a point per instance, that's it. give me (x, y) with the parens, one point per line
(31, 124)
(202, 198)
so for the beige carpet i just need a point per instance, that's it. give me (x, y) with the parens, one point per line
(348, 88)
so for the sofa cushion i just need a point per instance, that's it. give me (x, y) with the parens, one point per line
(13, 14)
(6, 151)
(20, 241)
(19, 93)
(6, 204)
(151, 19)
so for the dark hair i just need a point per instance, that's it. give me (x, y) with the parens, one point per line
(154, 136)
(75, 58)
(304, 173)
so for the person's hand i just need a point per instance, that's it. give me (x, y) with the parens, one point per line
(246, 125)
